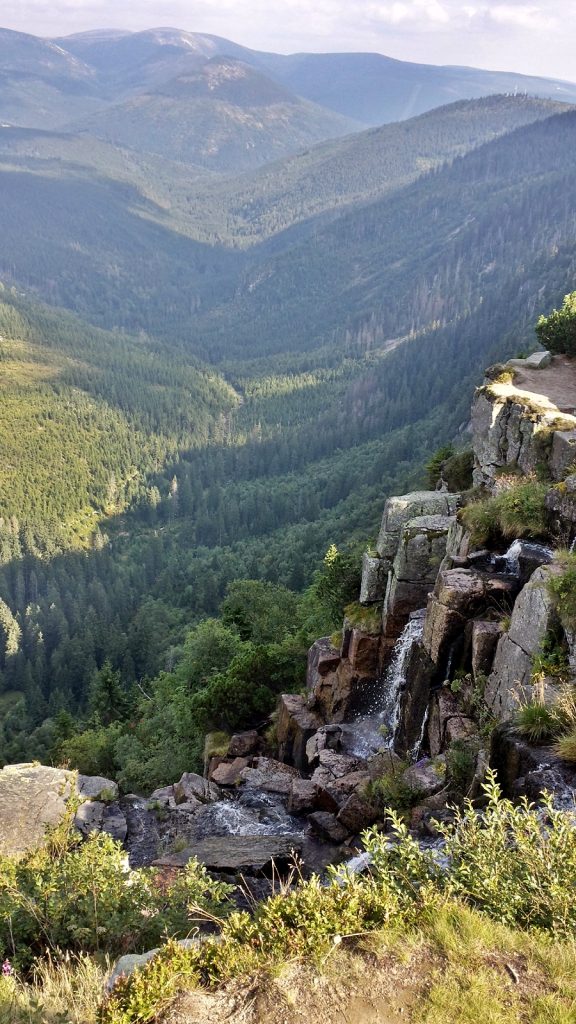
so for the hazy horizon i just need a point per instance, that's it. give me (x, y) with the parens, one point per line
(521, 37)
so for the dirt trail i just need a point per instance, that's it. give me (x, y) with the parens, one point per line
(371, 991)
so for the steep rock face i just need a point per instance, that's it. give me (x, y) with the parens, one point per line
(399, 509)
(421, 548)
(323, 658)
(414, 699)
(514, 428)
(374, 579)
(532, 617)
(459, 595)
(561, 504)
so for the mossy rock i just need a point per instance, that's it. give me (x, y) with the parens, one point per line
(366, 618)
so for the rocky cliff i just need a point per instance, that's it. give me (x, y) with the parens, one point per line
(458, 627)
(459, 654)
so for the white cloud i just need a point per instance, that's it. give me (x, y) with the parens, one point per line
(522, 15)
(412, 11)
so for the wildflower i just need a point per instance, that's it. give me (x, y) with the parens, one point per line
(7, 968)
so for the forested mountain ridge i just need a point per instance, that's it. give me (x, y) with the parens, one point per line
(169, 244)
(51, 83)
(367, 87)
(357, 168)
(225, 116)
(86, 418)
(388, 269)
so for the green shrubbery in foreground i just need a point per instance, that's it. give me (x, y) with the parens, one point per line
(512, 863)
(80, 897)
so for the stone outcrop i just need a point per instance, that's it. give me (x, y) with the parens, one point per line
(459, 595)
(323, 658)
(524, 768)
(227, 773)
(400, 509)
(484, 640)
(513, 429)
(295, 726)
(327, 826)
(234, 853)
(374, 579)
(561, 505)
(269, 776)
(243, 744)
(533, 616)
(427, 776)
(34, 798)
(421, 549)
(420, 673)
(447, 722)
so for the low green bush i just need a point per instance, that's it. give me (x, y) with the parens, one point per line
(79, 896)
(517, 511)
(552, 658)
(511, 861)
(557, 332)
(391, 792)
(460, 765)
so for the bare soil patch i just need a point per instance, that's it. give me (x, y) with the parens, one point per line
(557, 382)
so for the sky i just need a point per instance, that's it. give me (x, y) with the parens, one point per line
(529, 36)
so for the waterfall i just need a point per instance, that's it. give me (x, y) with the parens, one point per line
(414, 753)
(377, 727)
(540, 553)
(512, 557)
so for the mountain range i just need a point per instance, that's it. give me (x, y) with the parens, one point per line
(111, 78)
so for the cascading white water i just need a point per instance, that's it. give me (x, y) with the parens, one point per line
(255, 813)
(414, 753)
(377, 727)
(512, 556)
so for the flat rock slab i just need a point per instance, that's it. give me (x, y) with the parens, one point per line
(32, 798)
(236, 853)
(556, 381)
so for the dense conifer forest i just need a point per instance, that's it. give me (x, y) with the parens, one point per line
(244, 369)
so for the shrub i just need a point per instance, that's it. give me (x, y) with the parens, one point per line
(81, 897)
(510, 861)
(391, 792)
(454, 468)
(552, 658)
(557, 332)
(461, 764)
(434, 468)
(517, 511)
(457, 471)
